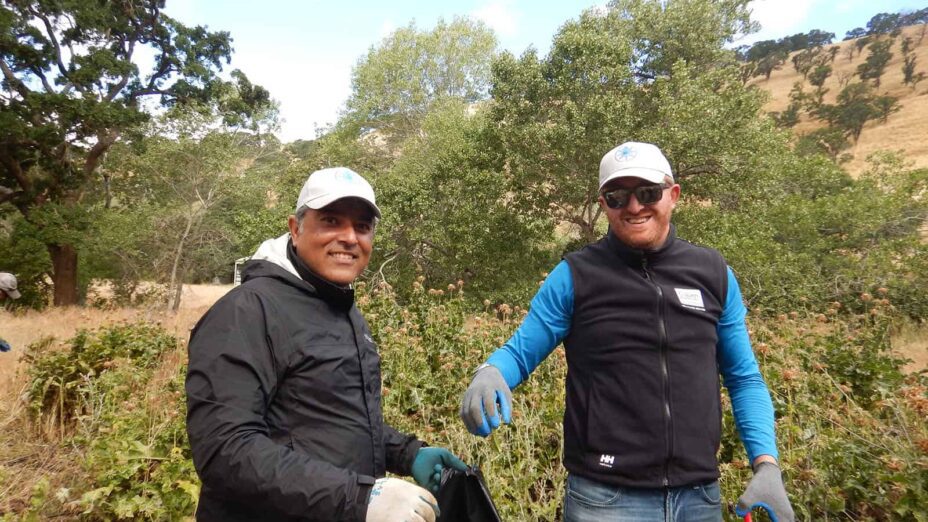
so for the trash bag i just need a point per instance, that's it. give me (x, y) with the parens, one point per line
(463, 497)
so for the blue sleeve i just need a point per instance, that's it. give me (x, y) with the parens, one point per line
(545, 326)
(750, 398)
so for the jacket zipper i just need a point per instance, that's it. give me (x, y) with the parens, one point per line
(665, 374)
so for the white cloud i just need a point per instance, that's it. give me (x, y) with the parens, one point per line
(500, 16)
(778, 18)
(386, 29)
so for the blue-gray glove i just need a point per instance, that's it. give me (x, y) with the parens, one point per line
(766, 491)
(5, 346)
(429, 463)
(478, 409)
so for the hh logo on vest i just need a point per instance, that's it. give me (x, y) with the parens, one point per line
(690, 298)
(607, 460)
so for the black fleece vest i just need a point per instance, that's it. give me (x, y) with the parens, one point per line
(643, 406)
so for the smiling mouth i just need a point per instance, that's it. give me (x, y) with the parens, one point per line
(343, 256)
(637, 220)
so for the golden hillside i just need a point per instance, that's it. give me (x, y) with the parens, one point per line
(905, 130)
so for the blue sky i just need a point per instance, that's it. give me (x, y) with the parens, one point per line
(303, 51)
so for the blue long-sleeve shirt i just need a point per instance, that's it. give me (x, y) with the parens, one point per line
(548, 323)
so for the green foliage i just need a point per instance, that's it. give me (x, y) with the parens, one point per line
(186, 202)
(429, 349)
(26, 256)
(853, 444)
(138, 456)
(856, 105)
(852, 439)
(908, 71)
(394, 86)
(58, 390)
(447, 214)
(66, 109)
(875, 64)
(804, 230)
(624, 75)
(117, 393)
(828, 141)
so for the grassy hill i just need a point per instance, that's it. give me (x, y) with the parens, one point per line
(905, 130)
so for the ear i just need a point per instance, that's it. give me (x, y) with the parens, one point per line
(602, 203)
(293, 226)
(674, 194)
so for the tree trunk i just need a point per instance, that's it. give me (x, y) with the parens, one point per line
(177, 284)
(64, 274)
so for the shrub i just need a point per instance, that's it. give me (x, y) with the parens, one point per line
(61, 380)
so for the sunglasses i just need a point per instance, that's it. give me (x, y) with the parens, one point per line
(645, 194)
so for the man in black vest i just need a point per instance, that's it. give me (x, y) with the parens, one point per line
(283, 385)
(649, 322)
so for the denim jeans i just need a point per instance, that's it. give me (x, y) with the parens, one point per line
(590, 501)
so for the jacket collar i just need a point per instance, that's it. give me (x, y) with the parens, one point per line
(635, 256)
(340, 296)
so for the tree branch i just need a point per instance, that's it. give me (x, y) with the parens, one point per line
(104, 142)
(15, 169)
(38, 72)
(14, 81)
(51, 36)
(117, 87)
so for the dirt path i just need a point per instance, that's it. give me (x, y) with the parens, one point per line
(23, 329)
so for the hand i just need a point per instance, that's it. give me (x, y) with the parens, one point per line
(478, 409)
(429, 463)
(4, 346)
(395, 500)
(766, 490)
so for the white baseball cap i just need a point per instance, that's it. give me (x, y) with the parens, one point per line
(327, 186)
(8, 285)
(634, 159)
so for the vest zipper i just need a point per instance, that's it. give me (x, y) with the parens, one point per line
(665, 374)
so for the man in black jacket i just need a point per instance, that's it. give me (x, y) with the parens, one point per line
(283, 385)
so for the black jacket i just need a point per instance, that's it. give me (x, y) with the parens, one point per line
(284, 405)
(642, 405)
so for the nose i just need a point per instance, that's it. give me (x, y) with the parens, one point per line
(633, 206)
(348, 235)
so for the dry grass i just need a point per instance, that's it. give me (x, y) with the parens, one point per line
(911, 342)
(904, 131)
(25, 455)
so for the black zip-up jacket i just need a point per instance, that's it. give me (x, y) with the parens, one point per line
(284, 406)
(642, 405)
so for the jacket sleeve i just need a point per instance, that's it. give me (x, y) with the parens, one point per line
(232, 376)
(401, 450)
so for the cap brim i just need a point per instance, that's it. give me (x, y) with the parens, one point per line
(328, 199)
(13, 293)
(653, 176)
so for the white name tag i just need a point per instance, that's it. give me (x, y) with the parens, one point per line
(690, 298)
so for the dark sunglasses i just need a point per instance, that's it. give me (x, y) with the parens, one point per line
(645, 194)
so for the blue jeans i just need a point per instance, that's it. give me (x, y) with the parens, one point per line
(590, 501)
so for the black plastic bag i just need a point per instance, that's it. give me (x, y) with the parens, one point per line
(463, 497)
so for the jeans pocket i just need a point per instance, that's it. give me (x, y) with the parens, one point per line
(590, 492)
(711, 493)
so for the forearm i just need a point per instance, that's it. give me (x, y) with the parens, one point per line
(401, 450)
(545, 326)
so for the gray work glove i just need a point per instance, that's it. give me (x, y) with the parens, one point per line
(766, 490)
(478, 409)
(395, 500)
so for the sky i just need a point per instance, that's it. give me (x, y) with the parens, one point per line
(303, 51)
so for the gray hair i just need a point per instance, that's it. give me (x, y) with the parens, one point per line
(301, 213)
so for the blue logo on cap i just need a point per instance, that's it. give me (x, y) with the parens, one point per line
(345, 175)
(626, 153)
